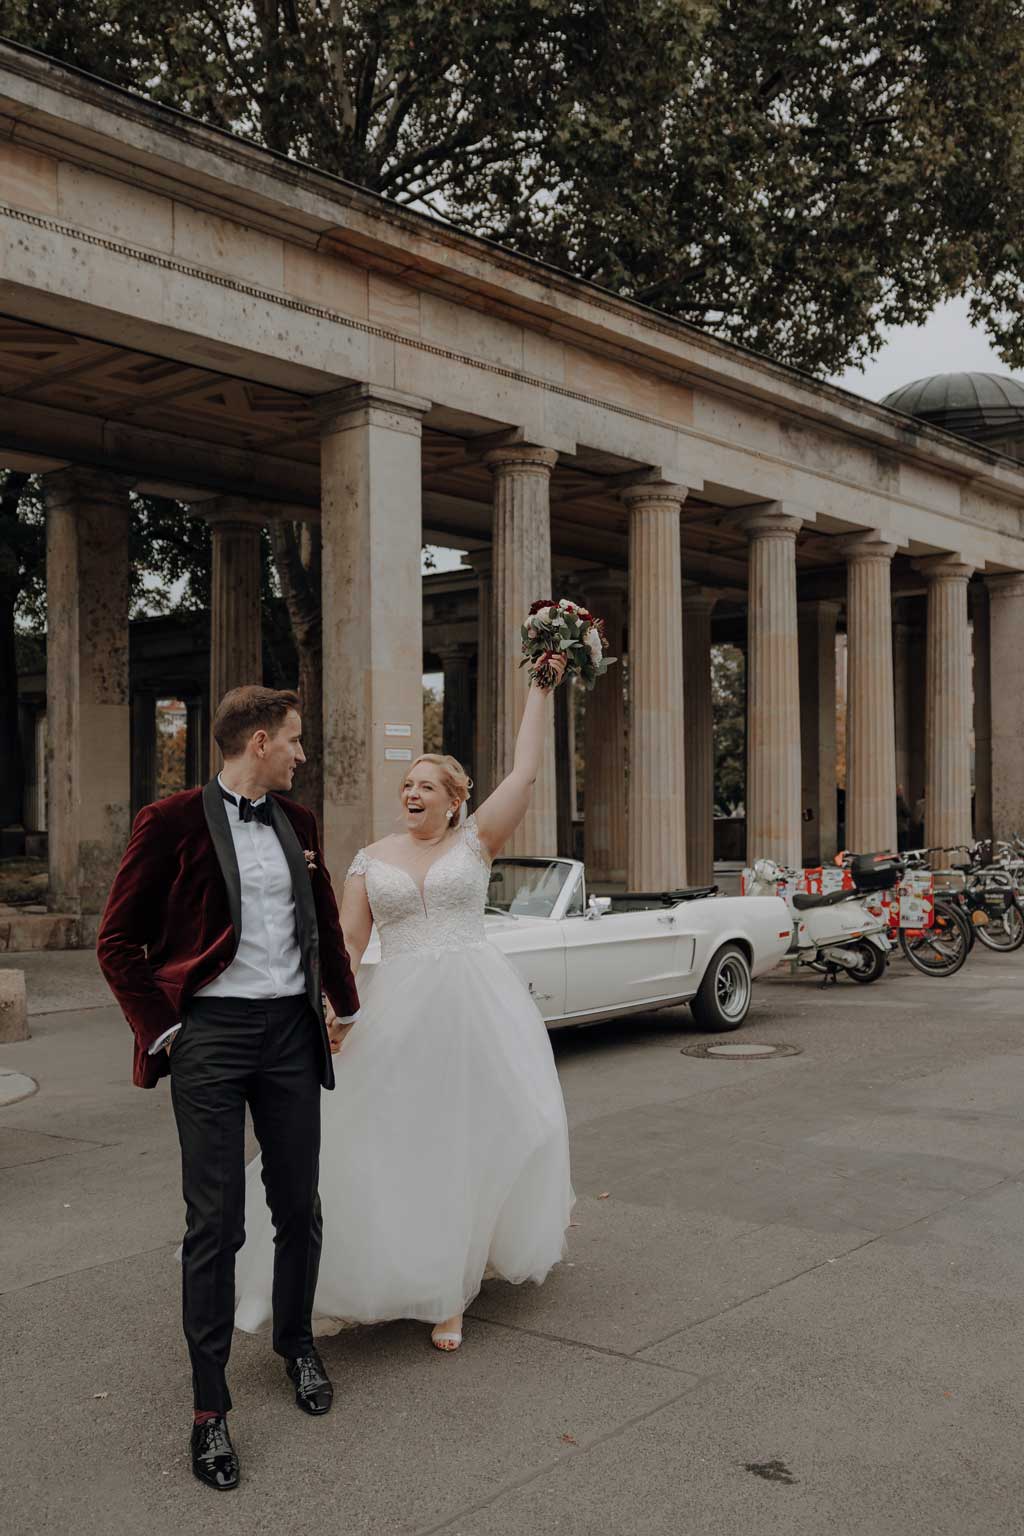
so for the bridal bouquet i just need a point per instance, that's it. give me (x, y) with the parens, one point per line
(564, 629)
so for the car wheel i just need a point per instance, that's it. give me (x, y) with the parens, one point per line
(724, 996)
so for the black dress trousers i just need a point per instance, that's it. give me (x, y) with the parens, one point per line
(231, 1052)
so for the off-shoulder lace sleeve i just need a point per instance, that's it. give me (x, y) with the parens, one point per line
(360, 864)
(473, 842)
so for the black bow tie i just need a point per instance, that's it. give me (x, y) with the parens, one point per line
(247, 811)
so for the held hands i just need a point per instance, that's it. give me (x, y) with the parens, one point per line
(336, 1031)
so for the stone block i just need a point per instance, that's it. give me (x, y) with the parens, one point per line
(21, 930)
(28, 180)
(247, 255)
(13, 1007)
(115, 208)
(321, 278)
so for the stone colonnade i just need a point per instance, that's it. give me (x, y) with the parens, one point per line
(649, 787)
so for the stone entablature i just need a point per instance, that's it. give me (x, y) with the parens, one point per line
(211, 250)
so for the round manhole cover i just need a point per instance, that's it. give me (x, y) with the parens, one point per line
(739, 1050)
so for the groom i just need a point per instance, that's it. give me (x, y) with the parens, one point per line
(220, 928)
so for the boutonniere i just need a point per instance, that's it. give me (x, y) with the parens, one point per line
(309, 854)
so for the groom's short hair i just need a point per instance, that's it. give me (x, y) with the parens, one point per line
(243, 711)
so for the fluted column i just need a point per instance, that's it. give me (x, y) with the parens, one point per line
(236, 640)
(816, 629)
(87, 687)
(483, 743)
(1006, 650)
(604, 796)
(908, 655)
(371, 498)
(947, 814)
(981, 679)
(458, 706)
(773, 690)
(871, 714)
(657, 786)
(699, 749)
(521, 574)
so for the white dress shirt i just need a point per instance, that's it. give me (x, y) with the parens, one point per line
(268, 962)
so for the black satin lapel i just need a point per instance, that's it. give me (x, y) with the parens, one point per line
(224, 847)
(302, 888)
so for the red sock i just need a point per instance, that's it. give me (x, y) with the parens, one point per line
(203, 1415)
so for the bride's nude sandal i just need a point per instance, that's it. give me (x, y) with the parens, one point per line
(446, 1341)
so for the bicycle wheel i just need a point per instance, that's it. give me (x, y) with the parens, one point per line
(1004, 932)
(941, 949)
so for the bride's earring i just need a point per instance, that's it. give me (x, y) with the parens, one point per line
(450, 815)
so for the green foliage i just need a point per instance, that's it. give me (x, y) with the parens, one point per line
(433, 720)
(792, 174)
(728, 715)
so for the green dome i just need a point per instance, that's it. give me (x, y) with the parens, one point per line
(982, 406)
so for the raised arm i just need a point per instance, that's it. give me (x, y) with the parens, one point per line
(501, 812)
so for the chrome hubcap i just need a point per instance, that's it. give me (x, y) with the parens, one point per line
(732, 987)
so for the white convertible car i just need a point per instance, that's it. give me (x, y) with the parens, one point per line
(600, 958)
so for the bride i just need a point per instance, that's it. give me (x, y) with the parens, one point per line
(444, 1149)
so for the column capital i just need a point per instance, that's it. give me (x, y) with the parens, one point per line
(607, 580)
(361, 404)
(80, 483)
(521, 458)
(948, 567)
(824, 607)
(653, 493)
(233, 511)
(699, 599)
(771, 521)
(872, 544)
(1005, 584)
(455, 650)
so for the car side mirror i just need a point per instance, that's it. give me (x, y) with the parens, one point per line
(597, 906)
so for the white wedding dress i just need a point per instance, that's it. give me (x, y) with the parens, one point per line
(445, 1149)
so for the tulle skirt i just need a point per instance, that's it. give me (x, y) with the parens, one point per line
(444, 1151)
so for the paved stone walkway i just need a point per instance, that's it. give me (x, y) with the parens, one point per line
(793, 1301)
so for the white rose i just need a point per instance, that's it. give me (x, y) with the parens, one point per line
(543, 614)
(568, 607)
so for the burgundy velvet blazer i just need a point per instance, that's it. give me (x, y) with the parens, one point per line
(174, 915)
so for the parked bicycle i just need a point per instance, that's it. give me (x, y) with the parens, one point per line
(938, 948)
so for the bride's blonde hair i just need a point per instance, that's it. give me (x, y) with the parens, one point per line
(453, 776)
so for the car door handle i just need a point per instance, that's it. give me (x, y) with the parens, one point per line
(668, 920)
(539, 997)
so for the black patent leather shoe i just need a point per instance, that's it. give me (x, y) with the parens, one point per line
(313, 1390)
(213, 1456)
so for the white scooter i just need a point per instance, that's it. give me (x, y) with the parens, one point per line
(833, 932)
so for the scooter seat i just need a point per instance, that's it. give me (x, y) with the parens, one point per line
(803, 901)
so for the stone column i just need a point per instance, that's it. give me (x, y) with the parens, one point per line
(521, 575)
(871, 716)
(143, 748)
(236, 639)
(657, 786)
(197, 737)
(981, 678)
(773, 690)
(457, 729)
(565, 768)
(604, 742)
(908, 650)
(89, 767)
(947, 814)
(483, 745)
(699, 747)
(372, 525)
(1006, 650)
(816, 630)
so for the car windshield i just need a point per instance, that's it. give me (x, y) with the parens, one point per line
(526, 887)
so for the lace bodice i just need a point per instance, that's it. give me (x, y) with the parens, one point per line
(450, 913)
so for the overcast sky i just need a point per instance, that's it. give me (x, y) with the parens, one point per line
(946, 343)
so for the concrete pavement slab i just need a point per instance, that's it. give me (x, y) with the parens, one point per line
(414, 1435)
